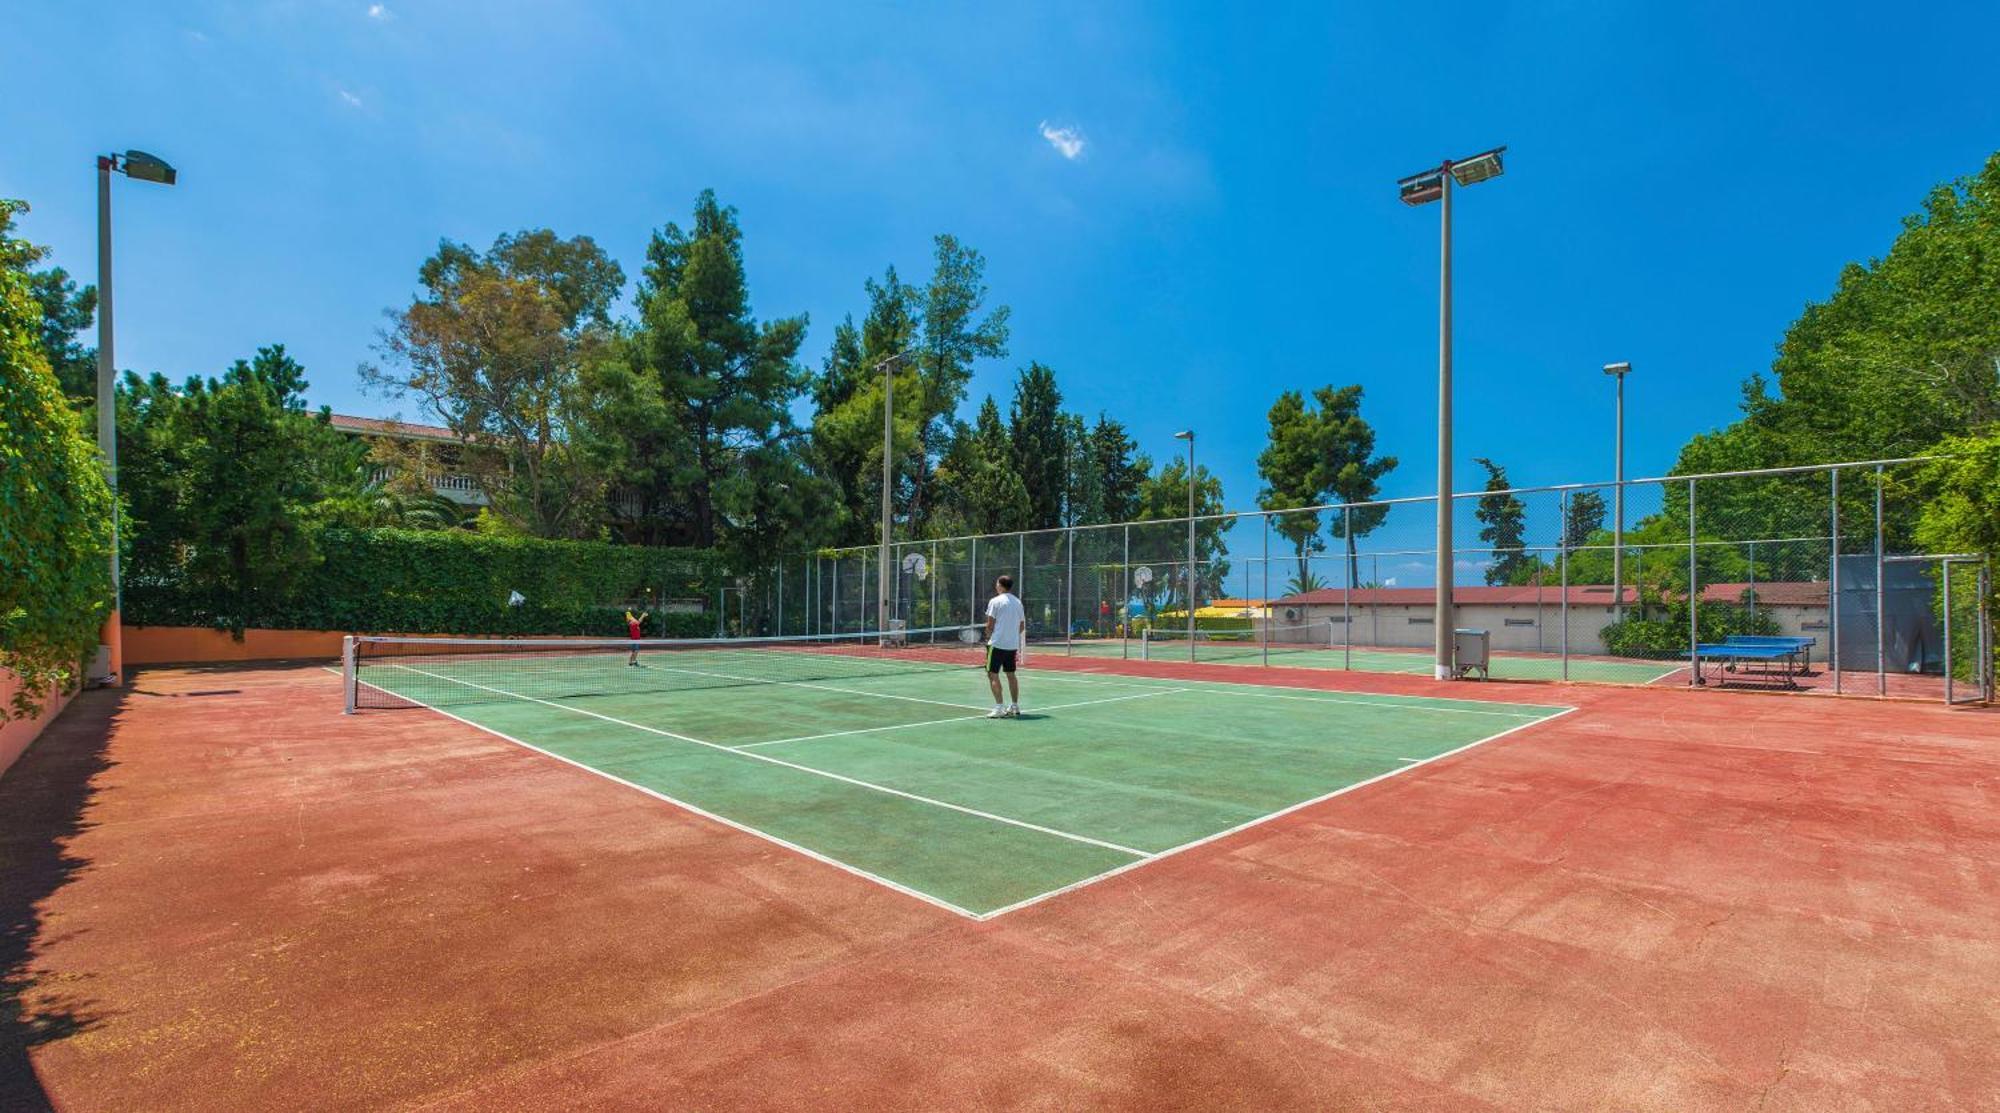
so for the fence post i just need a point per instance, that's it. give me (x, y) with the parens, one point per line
(1881, 598)
(1694, 596)
(1267, 589)
(973, 580)
(1125, 603)
(1069, 588)
(781, 598)
(1347, 588)
(932, 618)
(1562, 558)
(1833, 583)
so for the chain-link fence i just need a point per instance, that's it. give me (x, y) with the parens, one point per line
(1796, 578)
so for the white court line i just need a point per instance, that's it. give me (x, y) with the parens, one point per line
(1232, 688)
(1011, 822)
(705, 813)
(1206, 839)
(954, 719)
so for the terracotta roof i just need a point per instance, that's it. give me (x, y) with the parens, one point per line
(383, 427)
(1787, 594)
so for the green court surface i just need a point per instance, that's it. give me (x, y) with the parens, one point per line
(895, 773)
(1514, 666)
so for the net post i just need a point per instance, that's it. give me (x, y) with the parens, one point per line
(1146, 644)
(349, 682)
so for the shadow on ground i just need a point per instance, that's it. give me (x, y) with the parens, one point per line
(43, 802)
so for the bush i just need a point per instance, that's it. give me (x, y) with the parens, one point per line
(1667, 636)
(455, 582)
(55, 508)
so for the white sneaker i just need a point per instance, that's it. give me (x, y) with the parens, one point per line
(997, 713)
(1014, 712)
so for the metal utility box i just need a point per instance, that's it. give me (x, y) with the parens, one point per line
(1471, 649)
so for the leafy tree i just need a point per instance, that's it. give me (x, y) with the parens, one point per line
(1083, 484)
(1165, 496)
(55, 508)
(1293, 469)
(1960, 495)
(1323, 454)
(1121, 467)
(955, 335)
(1503, 526)
(226, 479)
(987, 492)
(501, 348)
(942, 330)
(1903, 354)
(66, 311)
(1586, 517)
(1037, 435)
(726, 382)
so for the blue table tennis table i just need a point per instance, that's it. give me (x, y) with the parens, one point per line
(1775, 659)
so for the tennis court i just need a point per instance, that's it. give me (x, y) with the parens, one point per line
(1415, 662)
(880, 759)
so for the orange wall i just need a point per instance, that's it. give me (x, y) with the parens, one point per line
(15, 734)
(189, 645)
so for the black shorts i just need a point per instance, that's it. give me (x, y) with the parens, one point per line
(1000, 660)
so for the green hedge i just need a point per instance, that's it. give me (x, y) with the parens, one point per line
(452, 582)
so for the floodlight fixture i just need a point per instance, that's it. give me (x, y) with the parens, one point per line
(1422, 189)
(1478, 168)
(1619, 369)
(147, 168)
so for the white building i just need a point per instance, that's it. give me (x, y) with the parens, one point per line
(1530, 618)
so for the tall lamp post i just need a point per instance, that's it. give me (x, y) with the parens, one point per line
(1421, 189)
(143, 167)
(1618, 371)
(1188, 436)
(887, 365)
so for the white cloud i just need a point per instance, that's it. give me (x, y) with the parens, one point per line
(380, 12)
(350, 99)
(1068, 141)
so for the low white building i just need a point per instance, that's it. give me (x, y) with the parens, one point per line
(1526, 619)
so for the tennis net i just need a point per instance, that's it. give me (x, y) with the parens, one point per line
(1235, 645)
(401, 672)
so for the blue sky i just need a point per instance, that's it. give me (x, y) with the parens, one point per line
(1682, 179)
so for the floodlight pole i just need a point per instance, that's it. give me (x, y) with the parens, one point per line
(1421, 189)
(145, 167)
(1441, 612)
(1619, 371)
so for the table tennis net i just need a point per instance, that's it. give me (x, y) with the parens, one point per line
(399, 672)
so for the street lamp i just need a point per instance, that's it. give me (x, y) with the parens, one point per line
(1421, 189)
(1618, 371)
(142, 167)
(1188, 436)
(887, 365)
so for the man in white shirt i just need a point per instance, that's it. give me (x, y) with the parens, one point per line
(1006, 628)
